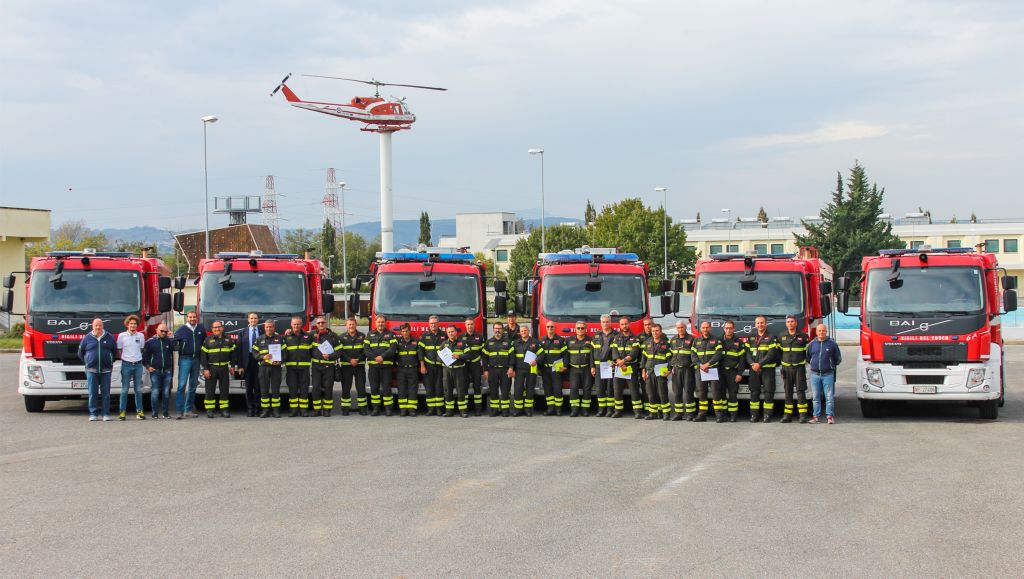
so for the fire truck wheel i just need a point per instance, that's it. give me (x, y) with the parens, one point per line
(989, 410)
(870, 408)
(34, 403)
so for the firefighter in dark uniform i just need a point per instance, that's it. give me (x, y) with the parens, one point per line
(497, 360)
(762, 357)
(353, 369)
(579, 351)
(657, 351)
(793, 345)
(511, 327)
(526, 372)
(627, 358)
(554, 354)
(298, 356)
(734, 361)
(707, 353)
(455, 376)
(431, 367)
(603, 346)
(682, 373)
(325, 368)
(474, 343)
(270, 371)
(379, 347)
(642, 340)
(218, 358)
(407, 374)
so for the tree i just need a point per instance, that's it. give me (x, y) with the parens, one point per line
(698, 217)
(632, 227)
(589, 214)
(974, 218)
(70, 236)
(328, 243)
(851, 227)
(299, 240)
(136, 247)
(762, 215)
(953, 220)
(425, 228)
(557, 238)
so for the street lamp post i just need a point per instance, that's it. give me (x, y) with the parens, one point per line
(330, 270)
(664, 209)
(344, 254)
(543, 245)
(728, 221)
(206, 181)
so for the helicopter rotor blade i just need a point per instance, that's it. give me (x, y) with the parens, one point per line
(369, 82)
(283, 80)
(412, 86)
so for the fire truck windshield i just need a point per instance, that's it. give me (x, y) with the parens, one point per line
(777, 293)
(266, 292)
(565, 297)
(400, 295)
(945, 290)
(85, 292)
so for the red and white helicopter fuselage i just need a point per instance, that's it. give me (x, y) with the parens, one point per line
(378, 114)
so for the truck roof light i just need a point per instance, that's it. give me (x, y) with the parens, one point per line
(261, 255)
(925, 249)
(595, 257)
(93, 253)
(748, 255)
(424, 256)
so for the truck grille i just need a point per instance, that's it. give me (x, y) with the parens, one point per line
(925, 379)
(948, 353)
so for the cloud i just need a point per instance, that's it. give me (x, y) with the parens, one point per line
(827, 133)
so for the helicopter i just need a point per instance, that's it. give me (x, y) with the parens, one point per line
(378, 114)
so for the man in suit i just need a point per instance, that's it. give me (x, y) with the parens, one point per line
(249, 365)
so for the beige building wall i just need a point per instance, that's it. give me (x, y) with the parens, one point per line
(19, 226)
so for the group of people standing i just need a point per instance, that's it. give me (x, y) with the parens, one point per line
(682, 378)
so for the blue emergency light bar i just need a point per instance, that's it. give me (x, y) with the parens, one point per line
(588, 257)
(89, 254)
(729, 256)
(950, 250)
(244, 255)
(424, 256)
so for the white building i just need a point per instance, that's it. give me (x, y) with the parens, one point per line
(493, 234)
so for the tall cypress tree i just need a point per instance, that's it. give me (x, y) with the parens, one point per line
(328, 241)
(589, 214)
(851, 228)
(424, 228)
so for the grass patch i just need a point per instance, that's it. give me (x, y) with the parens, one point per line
(10, 343)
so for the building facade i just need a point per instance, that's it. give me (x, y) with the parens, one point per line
(492, 234)
(19, 226)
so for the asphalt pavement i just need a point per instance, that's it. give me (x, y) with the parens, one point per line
(928, 490)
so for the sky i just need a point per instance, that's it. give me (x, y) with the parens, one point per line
(728, 104)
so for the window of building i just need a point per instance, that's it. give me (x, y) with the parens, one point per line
(992, 245)
(916, 244)
(501, 255)
(760, 248)
(778, 248)
(1009, 246)
(715, 249)
(732, 248)
(953, 244)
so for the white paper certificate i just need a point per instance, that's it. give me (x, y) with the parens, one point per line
(606, 370)
(530, 357)
(661, 370)
(710, 375)
(446, 356)
(326, 348)
(624, 371)
(558, 365)
(275, 352)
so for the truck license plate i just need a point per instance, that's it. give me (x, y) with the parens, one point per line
(79, 384)
(925, 389)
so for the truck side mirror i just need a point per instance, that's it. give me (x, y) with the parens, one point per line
(500, 305)
(825, 287)
(842, 283)
(353, 304)
(328, 300)
(669, 303)
(671, 285)
(843, 301)
(826, 305)
(164, 304)
(500, 286)
(9, 281)
(522, 304)
(163, 282)
(1009, 300)
(8, 303)
(1009, 282)
(522, 286)
(178, 303)
(356, 284)
(326, 284)
(179, 282)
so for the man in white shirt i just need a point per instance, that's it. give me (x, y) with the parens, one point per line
(129, 349)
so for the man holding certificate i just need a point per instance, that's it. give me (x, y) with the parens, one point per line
(267, 348)
(552, 369)
(528, 351)
(627, 357)
(603, 345)
(325, 365)
(498, 359)
(580, 350)
(707, 353)
(451, 355)
(682, 373)
(656, 355)
(379, 347)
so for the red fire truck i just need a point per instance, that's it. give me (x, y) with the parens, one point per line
(275, 286)
(65, 291)
(410, 286)
(930, 327)
(739, 287)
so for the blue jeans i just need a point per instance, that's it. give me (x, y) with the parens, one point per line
(188, 374)
(131, 374)
(824, 384)
(160, 390)
(99, 385)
